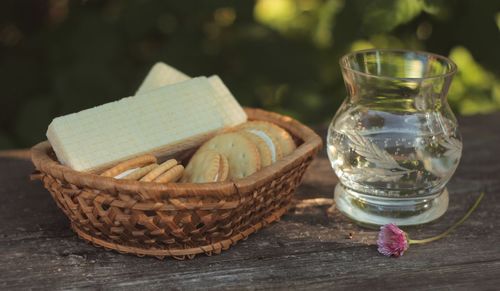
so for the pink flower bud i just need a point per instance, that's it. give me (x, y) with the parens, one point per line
(392, 241)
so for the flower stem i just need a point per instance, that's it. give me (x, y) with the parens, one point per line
(458, 223)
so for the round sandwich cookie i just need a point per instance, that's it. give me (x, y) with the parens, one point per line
(171, 175)
(266, 155)
(242, 155)
(282, 136)
(206, 166)
(271, 142)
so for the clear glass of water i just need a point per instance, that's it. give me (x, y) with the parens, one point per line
(394, 142)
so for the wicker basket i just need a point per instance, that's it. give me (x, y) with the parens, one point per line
(178, 220)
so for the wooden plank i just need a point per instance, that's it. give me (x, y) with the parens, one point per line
(310, 248)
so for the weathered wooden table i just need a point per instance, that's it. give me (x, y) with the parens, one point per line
(312, 247)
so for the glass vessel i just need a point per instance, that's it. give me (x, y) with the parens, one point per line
(394, 142)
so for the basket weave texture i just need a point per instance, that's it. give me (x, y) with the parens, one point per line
(177, 219)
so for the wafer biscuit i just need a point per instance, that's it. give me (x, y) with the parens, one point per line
(99, 137)
(160, 75)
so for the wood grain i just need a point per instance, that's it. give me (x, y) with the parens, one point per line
(313, 247)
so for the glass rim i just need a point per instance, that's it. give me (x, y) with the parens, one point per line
(452, 66)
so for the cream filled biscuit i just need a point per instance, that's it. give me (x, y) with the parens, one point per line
(282, 136)
(266, 155)
(206, 166)
(242, 155)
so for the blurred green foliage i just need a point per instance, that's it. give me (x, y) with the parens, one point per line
(61, 56)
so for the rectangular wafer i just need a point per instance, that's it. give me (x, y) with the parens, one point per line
(162, 74)
(167, 117)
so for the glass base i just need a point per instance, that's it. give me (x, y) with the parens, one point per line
(372, 211)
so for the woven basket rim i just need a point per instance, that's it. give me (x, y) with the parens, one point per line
(311, 143)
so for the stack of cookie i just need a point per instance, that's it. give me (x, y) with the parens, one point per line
(146, 168)
(233, 154)
(238, 153)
